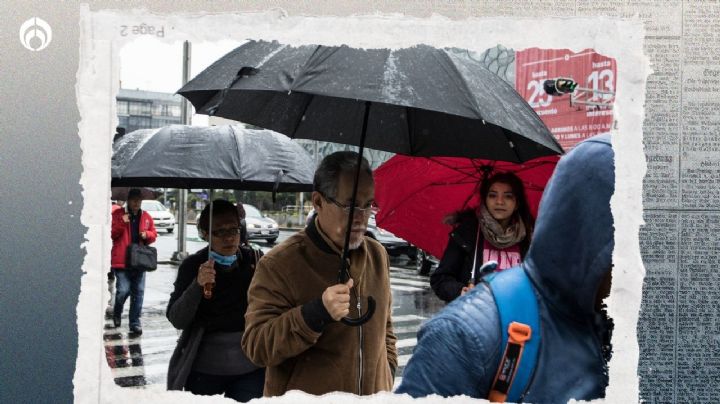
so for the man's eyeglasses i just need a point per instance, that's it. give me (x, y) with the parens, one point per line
(221, 233)
(369, 209)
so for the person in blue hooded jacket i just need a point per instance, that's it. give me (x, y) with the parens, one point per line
(568, 263)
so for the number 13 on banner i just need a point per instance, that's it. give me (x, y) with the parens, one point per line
(602, 82)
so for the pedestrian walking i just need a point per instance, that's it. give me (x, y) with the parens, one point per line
(130, 226)
(296, 302)
(208, 358)
(110, 309)
(499, 230)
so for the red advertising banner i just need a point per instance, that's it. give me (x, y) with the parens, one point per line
(575, 116)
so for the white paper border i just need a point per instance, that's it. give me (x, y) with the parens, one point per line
(97, 85)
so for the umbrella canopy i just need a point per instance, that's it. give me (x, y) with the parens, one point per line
(416, 193)
(121, 193)
(419, 101)
(223, 157)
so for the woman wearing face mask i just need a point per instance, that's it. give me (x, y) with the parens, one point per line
(498, 230)
(209, 303)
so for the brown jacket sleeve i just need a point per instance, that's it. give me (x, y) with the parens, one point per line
(274, 327)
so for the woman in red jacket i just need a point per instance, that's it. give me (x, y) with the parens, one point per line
(130, 225)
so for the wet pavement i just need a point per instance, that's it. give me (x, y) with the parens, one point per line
(141, 361)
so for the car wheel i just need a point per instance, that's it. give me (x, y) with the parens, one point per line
(423, 264)
(170, 230)
(412, 254)
(271, 240)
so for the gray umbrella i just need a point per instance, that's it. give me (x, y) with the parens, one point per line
(223, 157)
(121, 193)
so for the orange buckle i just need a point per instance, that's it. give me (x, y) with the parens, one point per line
(519, 332)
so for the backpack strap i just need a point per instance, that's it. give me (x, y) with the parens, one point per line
(520, 330)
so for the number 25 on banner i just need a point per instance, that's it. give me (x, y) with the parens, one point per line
(538, 97)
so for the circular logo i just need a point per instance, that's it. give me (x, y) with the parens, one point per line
(35, 34)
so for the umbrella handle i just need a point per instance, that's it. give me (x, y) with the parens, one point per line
(344, 274)
(208, 290)
(208, 287)
(354, 322)
(343, 277)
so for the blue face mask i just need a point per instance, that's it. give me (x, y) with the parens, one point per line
(226, 260)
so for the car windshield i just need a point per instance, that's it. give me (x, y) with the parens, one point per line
(251, 211)
(152, 206)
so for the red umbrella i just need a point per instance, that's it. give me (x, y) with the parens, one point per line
(416, 193)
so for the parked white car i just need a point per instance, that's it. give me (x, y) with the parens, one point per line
(160, 214)
(259, 226)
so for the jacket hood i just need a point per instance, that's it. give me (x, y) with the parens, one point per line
(573, 240)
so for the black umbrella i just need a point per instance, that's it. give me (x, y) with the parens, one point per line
(418, 101)
(423, 101)
(224, 157)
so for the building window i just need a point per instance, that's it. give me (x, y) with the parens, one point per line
(139, 122)
(165, 110)
(122, 107)
(174, 110)
(161, 110)
(139, 108)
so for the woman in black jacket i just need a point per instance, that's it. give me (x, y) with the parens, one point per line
(209, 303)
(498, 230)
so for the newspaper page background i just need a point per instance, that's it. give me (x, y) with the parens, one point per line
(678, 330)
(679, 324)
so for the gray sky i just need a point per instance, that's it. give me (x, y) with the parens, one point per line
(152, 65)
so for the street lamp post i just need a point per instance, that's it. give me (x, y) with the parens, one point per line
(181, 252)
